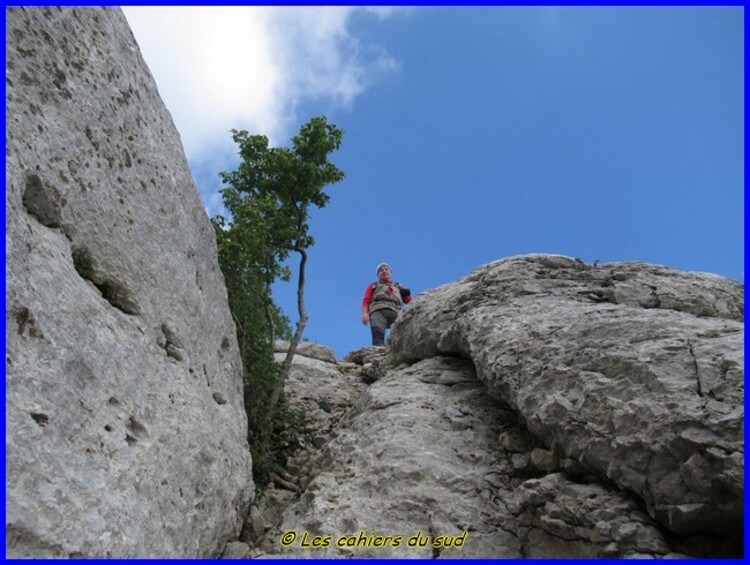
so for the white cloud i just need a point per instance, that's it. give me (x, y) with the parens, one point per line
(244, 67)
(212, 66)
(327, 61)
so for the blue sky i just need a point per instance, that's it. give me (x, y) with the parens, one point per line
(473, 134)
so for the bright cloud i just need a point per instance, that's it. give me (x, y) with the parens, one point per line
(327, 62)
(243, 67)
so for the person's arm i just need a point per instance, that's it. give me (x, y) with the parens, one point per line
(366, 305)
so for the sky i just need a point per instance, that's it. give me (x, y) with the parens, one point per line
(472, 134)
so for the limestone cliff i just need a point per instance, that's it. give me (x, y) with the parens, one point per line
(538, 407)
(126, 432)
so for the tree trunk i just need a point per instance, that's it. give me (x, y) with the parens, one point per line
(286, 365)
(269, 317)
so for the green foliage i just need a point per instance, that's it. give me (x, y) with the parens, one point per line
(83, 262)
(324, 405)
(268, 197)
(289, 427)
(273, 187)
(250, 304)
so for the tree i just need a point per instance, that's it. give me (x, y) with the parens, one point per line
(269, 197)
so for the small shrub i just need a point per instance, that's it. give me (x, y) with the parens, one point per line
(324, 405)
(83, 262)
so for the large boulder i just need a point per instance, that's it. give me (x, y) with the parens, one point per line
(632, 371)
(126, 431)
(307, 349)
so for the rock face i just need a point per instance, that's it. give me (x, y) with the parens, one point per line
(126, 432)
(539, 407)
(321, 390)
(633, 371)
(415, 453)
(308, 349)
(425, 464)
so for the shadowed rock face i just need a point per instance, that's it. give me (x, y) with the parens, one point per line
(633, 371)
(126, 432)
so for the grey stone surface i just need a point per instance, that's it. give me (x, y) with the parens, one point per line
(236, 550)
(540, 406)
(419, 453)
(322, 392)
(126, 432)
(633, 372)
(568, 519)
(397, 466)
(308, 349)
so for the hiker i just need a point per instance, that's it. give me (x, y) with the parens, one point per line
(382, 303)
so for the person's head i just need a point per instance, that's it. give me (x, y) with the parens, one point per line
(384, 272)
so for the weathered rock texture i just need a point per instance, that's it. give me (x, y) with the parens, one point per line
(417, 452)
(307, 349)
(546, 408)
(426, 452)
(633, 371)
(126, 432)
(321, 390)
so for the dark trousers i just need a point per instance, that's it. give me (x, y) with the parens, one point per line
(380, 320)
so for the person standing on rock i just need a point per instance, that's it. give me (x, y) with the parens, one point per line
(382, 303)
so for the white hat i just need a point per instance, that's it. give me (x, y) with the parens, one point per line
(377, 270)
